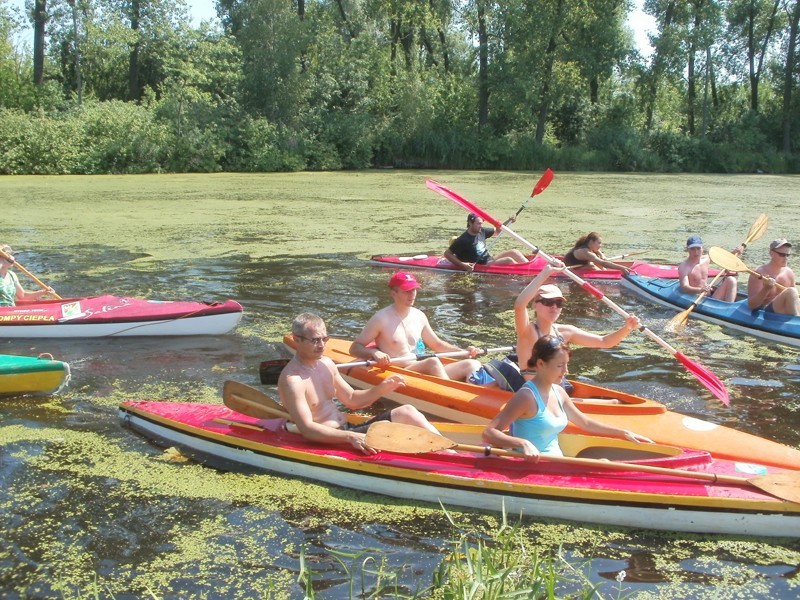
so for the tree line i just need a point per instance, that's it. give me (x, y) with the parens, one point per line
(130, 86)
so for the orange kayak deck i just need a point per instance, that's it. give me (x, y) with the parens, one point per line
(468, 403)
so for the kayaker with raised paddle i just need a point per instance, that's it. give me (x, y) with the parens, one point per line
(541, 409)
(693, 273)
(548, 300)
(401, 329)
(469, 248)
(11, 290)
(762, 291)
(310, 385)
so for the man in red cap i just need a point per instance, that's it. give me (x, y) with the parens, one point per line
(764, 291)
(400, 329)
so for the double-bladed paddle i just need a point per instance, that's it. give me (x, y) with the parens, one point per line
(28, 273)
(270, 370)
(540, 186)
(409, 439)
(703, 375)
(730, 262)
(678, 322)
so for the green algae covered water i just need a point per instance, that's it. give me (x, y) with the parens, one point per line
(88, 505)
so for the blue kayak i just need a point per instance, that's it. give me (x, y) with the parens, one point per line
(784, 329)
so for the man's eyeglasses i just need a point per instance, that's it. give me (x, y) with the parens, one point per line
(315, 341)
(783, 254)
(559, 302)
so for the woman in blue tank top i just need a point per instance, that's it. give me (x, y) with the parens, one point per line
(541, 409)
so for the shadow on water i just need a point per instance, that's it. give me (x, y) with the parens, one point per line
(82, 497)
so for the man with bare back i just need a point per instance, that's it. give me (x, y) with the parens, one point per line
(775, 290)
(693, 273)
(400, 330)
(310, 385)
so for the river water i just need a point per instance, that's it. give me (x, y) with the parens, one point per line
(87, 506)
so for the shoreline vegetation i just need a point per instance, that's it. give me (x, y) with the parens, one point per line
(133, 87)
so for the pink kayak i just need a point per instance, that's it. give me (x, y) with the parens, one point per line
(529, 269)
(114, 316)
(650, 486)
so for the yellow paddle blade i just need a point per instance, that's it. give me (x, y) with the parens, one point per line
(405, 439)
(727, 260)
(677, 323)
(785, 486)
(757, 229)
(251, 402)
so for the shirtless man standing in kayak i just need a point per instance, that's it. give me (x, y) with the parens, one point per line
(763, 292)
(310, 385)
(693, 273)
(402, 330)
(469, 248)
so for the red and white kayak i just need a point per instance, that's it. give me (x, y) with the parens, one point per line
(529, 269)
(584, 493)
(114, 316)
(467, 403)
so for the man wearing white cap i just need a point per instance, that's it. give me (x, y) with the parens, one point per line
(765, 291)
(693, 273)
(400, 329)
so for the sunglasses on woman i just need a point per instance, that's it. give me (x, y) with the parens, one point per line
(559, 302)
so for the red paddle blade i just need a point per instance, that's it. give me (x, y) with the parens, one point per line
(451, 195)
(706, 377)
(543, 182)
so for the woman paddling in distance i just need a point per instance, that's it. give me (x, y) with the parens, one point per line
(10, 288)
(538, 412)
(587, 253)
(548, 301)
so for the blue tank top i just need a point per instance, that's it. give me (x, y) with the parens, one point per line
(542, 429)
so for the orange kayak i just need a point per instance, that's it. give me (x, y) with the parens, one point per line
(468, 403)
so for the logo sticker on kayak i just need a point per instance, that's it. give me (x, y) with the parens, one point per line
(71, 310)
(693, 424)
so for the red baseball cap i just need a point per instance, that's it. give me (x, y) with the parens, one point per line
(403, 280)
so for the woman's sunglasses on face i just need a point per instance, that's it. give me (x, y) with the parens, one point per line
(559, 302)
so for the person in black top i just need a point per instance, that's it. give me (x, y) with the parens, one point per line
(469, 248)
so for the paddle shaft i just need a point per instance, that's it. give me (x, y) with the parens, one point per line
(706, 377)
(28, 273)
(540, 186)
(609, 465)
(408, 439)
(426, 355)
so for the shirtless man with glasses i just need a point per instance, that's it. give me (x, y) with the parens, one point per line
(310, 385)
(762, 292)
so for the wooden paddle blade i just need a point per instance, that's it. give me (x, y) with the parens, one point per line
(785, 486)
(463, 202)
(727, 260)
(251, 402)
(270, 370)
(677, 323)
(757, 229)
(543, 182)
(405, 439)
(706, 377)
